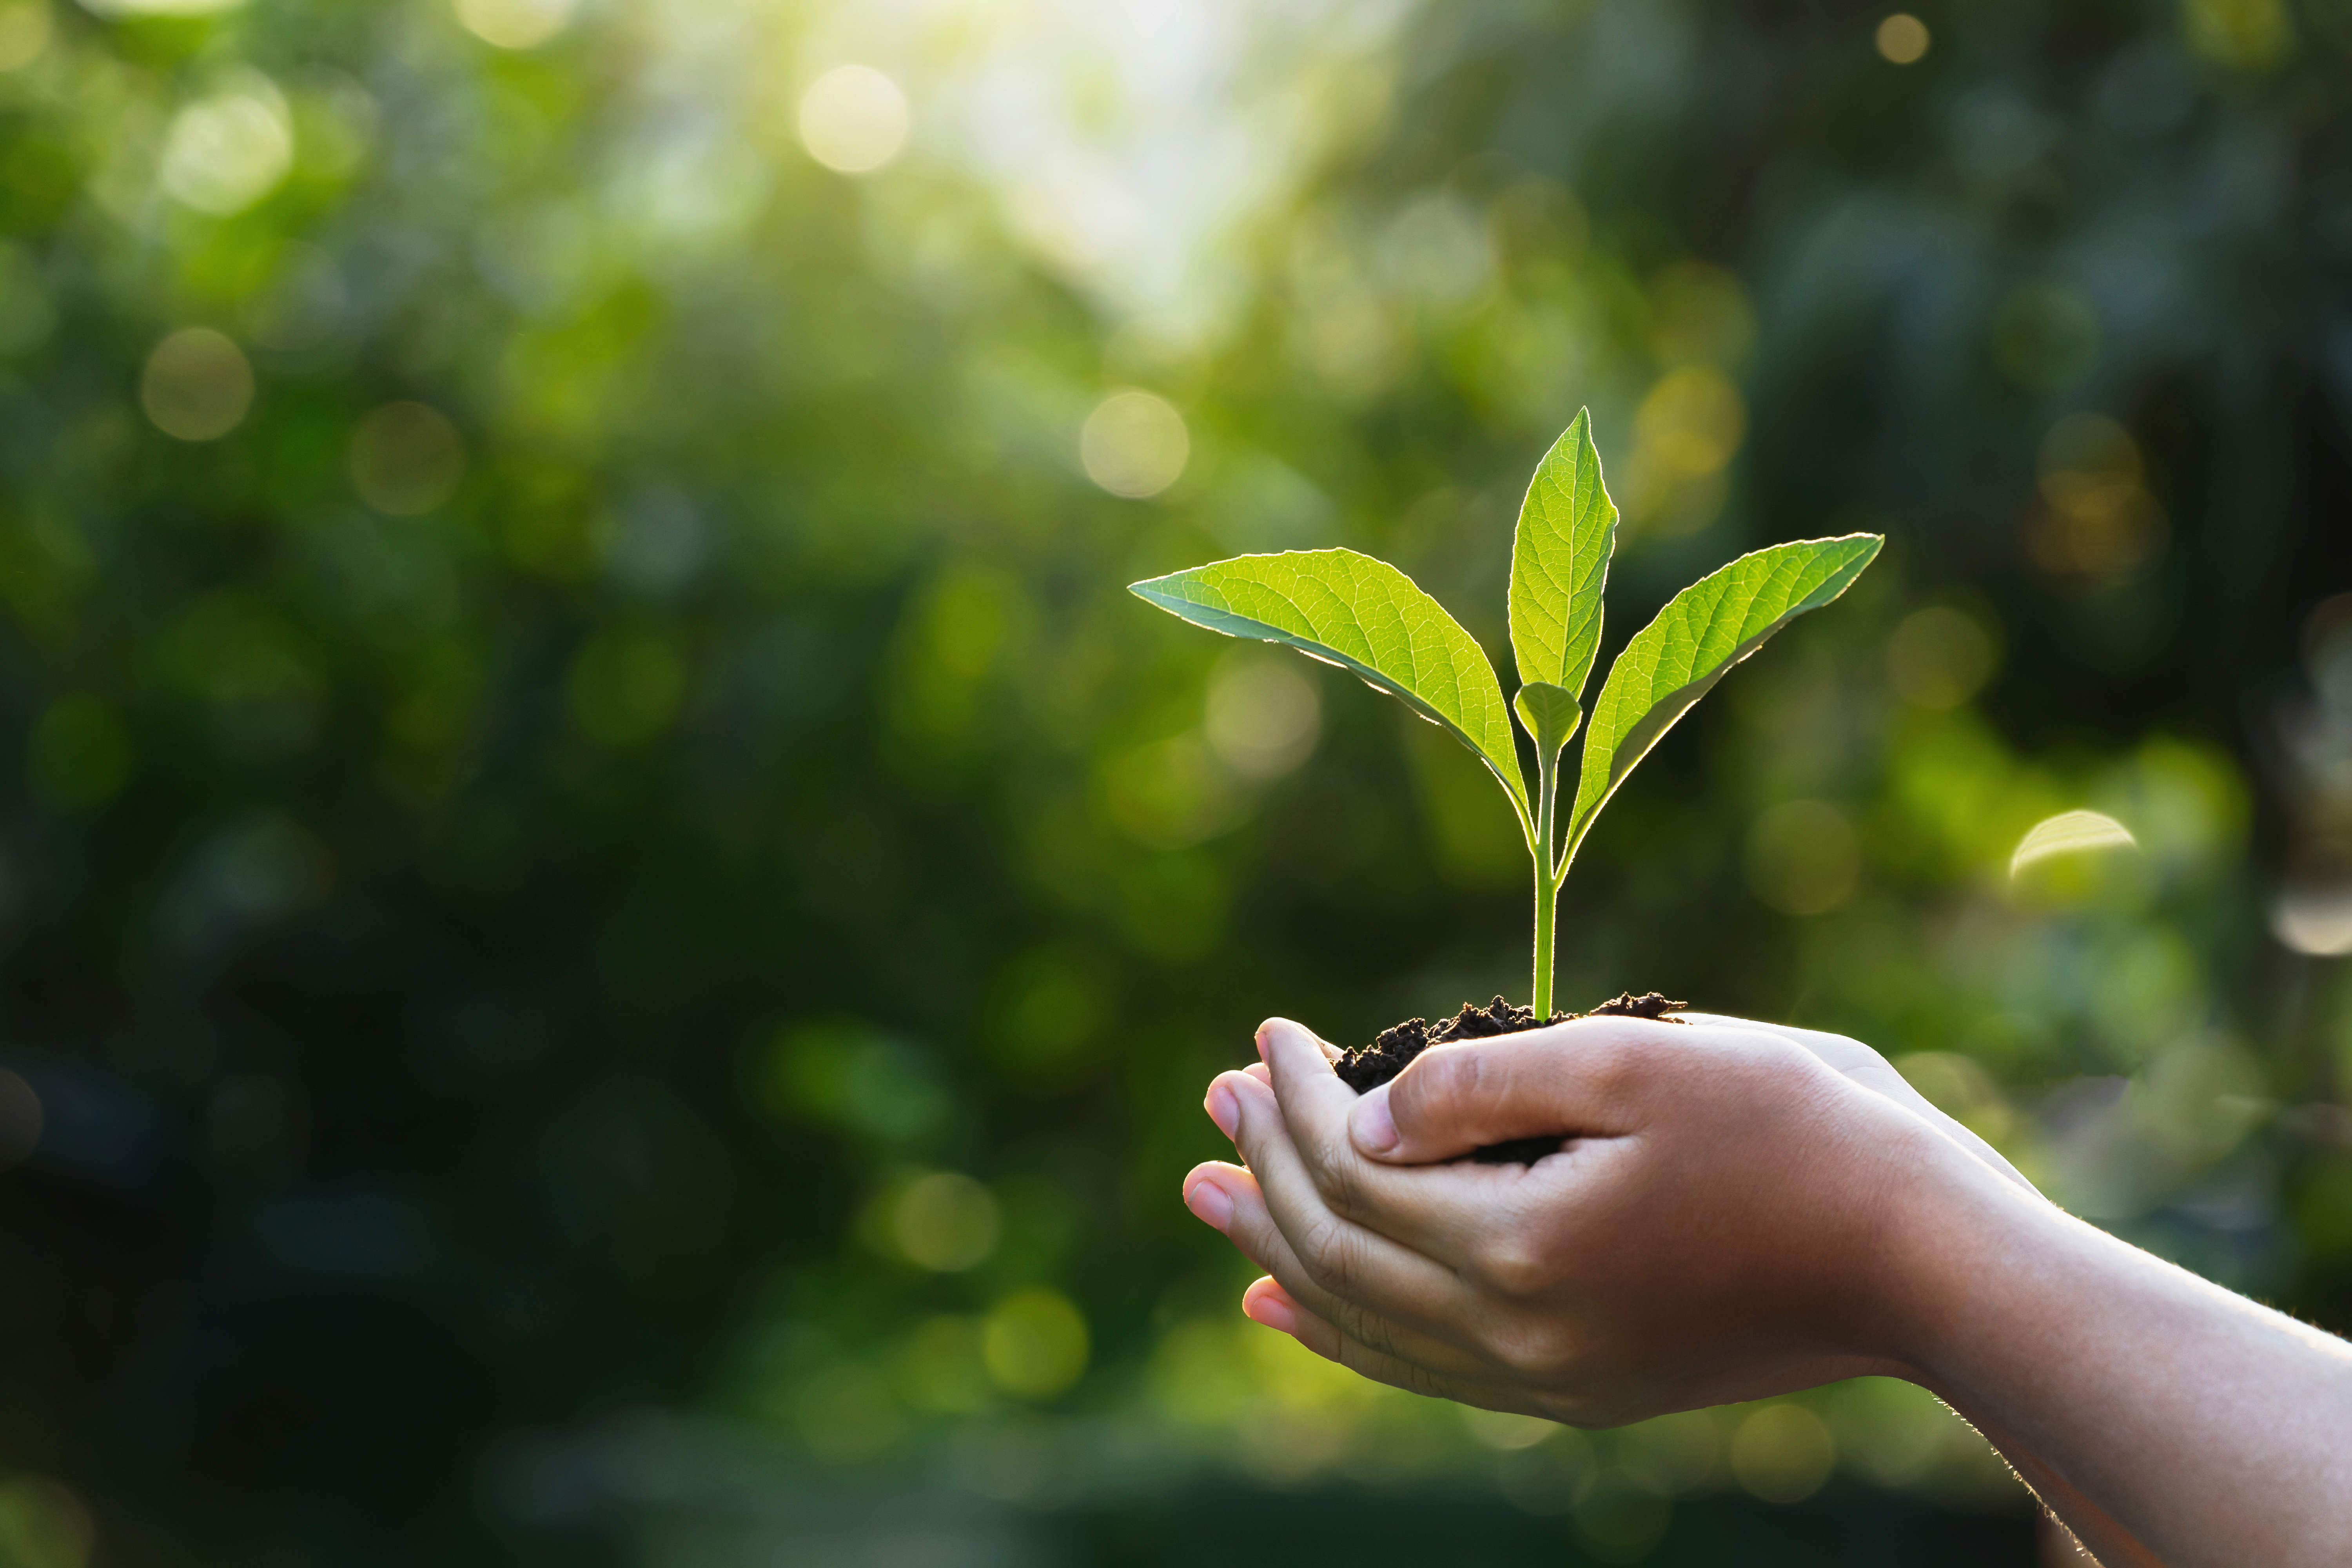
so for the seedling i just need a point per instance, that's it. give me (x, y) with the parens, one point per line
(1369, 618)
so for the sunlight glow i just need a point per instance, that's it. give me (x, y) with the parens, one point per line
(1134, 445)
(515, 24)
(2315, 920)
(2069, 833)
(854, 120)
(1263, 714)
(225, 153)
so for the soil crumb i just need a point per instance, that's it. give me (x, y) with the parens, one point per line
(1368, 1067)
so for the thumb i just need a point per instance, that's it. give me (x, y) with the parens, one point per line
(1453, 1099)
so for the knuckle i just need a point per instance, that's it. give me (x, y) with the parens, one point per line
(1618, 1068)
(1340, 1176)
(1421, 1381)
(1513, 1264)
(1375, 1333)
(1333, 1258)
(1534, 1352)
(1369, 1360)
(1463, 1068)
(1450, 1075)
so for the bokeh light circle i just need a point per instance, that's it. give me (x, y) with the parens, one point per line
(406, 459)
(945, 1222)
(1034, 1343)
(198, 385)
(44, 1524)
(1940, 656)
(2069, 833)
(854, 120)
(1263, 715)
(25, 30)
(1902, 39)
(1782, 1453)
(1134, 445)
(225, 153)
(515, 24)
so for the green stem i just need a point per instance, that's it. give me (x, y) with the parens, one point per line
(1546, 882)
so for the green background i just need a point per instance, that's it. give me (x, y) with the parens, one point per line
(617, 922)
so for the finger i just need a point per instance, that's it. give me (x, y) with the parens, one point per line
(1220, 1105)
(1331, 1053)
(1315, 1102)
(1871, 1070)
(1433, 1212)
(1572, 1079)
(1427, 1217)
(1267, 1302)
(1229, 1199)
(1439, 1216)
(1378, 1268)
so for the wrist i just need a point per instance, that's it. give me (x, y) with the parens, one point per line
(1944, 1225)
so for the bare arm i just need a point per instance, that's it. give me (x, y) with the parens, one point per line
(2163, 1418)
(1737, 1214)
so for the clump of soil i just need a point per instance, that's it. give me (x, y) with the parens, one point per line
(1368, 1067)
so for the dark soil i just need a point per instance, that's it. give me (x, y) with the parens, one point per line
(1368, 1067)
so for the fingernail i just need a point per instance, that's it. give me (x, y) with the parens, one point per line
(1222, 1110)
(1370, 1123)
(1209, 1201)
(1272, 1312)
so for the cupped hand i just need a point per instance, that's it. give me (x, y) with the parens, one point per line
(1443, 1130)
(1725, 1220)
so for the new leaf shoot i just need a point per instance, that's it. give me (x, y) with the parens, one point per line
(1369, 618)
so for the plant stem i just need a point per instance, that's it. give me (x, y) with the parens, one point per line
(1546, 881)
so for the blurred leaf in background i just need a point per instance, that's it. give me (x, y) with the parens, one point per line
(614, 924)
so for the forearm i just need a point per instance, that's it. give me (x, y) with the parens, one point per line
(2097, 1530)
(2160, 1412)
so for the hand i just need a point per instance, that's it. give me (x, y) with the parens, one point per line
(1741, 1209)
(1719, 1227)
(1875, 1072)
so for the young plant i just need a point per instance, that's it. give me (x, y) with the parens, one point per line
(1366, 616)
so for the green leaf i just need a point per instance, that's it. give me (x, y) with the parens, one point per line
(1704, 631)
(1549, 714)
(1366, 616)
(1559, 563)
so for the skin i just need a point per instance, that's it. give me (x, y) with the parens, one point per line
(1743, 1210)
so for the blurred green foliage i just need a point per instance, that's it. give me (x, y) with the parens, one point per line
(603, 886)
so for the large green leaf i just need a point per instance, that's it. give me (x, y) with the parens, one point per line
(1560, 564)
(1704, 631)
(1366, 616)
